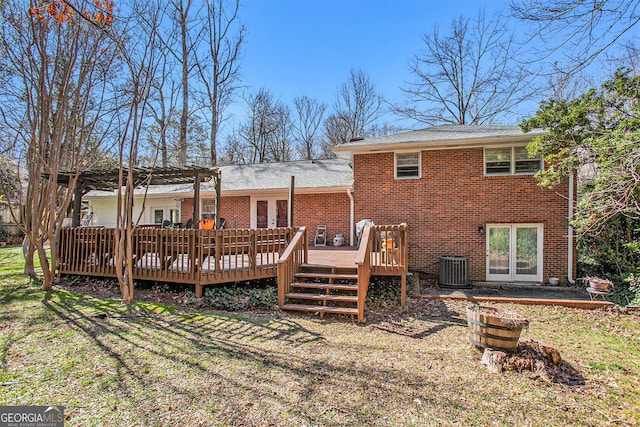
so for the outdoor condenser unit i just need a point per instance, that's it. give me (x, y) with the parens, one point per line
(454, 271)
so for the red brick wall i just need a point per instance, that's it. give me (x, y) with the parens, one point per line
(237, 211)
(332, 210)
(309, 210)
(186, 210)
(445, 207)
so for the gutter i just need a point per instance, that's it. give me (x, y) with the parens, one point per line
(346, 151)
(352, 215)
(570, 233)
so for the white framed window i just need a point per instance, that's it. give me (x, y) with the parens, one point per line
(158, 216)
(510, 161)
(407, 165)
(174, 216)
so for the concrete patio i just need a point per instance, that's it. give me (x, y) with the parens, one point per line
(518, 293)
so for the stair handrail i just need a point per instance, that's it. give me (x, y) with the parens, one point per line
(289, 262)
(363, 261)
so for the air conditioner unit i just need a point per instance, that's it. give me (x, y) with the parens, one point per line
(454, 271)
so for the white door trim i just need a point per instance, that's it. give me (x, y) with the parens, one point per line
(511, 271)
(271, 210)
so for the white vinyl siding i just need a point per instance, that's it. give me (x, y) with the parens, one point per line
(104, 210)
(407, 165)
(510, 161)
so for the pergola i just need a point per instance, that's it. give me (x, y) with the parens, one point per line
(107, 180)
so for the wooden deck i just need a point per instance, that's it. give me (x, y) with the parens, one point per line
(325, 279)
(209, 257)
(341, 257)
(199, 257)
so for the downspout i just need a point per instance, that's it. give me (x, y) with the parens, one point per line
(570, 233)
(351, 216)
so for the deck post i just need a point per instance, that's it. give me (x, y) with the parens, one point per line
(290, 207)
(217, 183)
(77, 205)
(403, 291)
(196, 201)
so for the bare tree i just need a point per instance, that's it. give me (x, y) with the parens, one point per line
(383, 130)
(357, 106)
(310, 113)
(565, 86)
(262, 135)
(141, 65)
(163, 110)
(575, 33)
(219, 72)
(630, 57)
(336, 132)
(186, 32)
(281, 139)
(57, 69)
(466, 76)
(233, 152)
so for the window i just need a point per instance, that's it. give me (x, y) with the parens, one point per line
(510, 161)
(407, 165)
(497, 161)
(524, 163)
(208, 210)
(158, 216)
(174, 216)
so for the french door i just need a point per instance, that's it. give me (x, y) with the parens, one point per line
(269, 212)
(514, 252)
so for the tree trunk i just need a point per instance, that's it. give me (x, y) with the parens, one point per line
(28, 251)
(47, 273)
(213, 137)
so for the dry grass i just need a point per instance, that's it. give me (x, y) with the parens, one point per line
(152, 365)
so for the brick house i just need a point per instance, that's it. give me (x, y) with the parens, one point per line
(256, 195)
(463, 190)
(467, 191)
(252, 196)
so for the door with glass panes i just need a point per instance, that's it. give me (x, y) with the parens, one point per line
(514, 252)
(269, 212)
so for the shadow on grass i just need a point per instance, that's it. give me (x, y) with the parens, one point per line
(421, 319)
(21, 292)
(223, 354)
(151, 355)
(133, 335)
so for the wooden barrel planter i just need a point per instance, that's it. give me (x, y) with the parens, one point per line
(493, 328)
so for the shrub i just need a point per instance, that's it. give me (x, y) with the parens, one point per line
(383, 288)
(241, 297)
(634, 288)
(613, 254)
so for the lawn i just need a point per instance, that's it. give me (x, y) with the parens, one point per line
(154, 364)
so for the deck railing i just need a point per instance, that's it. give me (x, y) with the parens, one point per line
(363, 263)
(199, 257)
(389, 251)
(389, 246)
(288, 264)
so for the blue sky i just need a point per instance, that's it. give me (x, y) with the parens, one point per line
(307, 47)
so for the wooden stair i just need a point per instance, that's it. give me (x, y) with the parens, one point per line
(324, 289)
